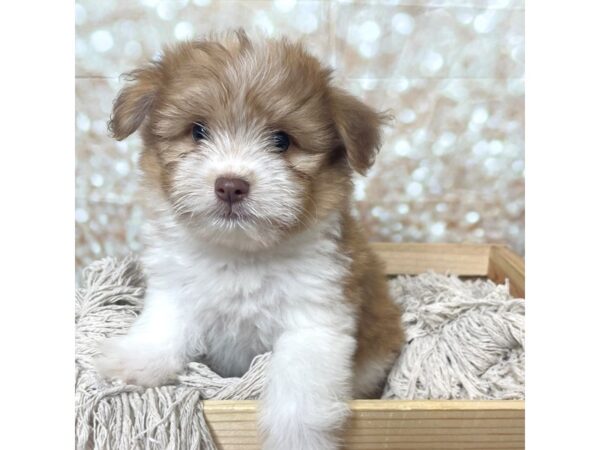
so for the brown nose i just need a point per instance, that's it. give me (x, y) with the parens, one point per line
(231, 190)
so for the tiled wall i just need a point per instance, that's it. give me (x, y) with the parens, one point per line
(451, 70)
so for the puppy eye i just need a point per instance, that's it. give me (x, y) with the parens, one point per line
(281, 140)
(199, 132)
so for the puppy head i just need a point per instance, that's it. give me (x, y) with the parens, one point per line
(246, 140)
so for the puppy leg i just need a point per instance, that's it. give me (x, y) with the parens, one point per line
(370, 376)
(304, 405)
(158, 345)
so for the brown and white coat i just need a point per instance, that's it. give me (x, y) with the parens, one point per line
(286, 268)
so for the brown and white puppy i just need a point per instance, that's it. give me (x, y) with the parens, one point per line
(250, 247)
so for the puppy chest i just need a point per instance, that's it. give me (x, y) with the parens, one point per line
(249, 306)
(232, 340)
(245, 309)
(243, 320)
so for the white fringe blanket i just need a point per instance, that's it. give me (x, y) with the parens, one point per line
(465, 341)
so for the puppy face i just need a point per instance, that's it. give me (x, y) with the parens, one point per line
(246, 141)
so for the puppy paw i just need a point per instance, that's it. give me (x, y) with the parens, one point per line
(133, 363)
(302, 427)
(302, 440)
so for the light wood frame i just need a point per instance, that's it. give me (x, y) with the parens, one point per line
(401, 424)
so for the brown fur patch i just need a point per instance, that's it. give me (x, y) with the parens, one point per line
(380, 335)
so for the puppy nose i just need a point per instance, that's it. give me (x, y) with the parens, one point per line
(231, 190)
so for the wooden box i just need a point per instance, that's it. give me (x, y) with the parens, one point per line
(418, 425)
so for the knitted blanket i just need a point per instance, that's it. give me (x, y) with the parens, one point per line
(465, 340)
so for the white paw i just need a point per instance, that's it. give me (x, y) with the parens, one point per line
(134, 363)
(305, 439)
(300, 427)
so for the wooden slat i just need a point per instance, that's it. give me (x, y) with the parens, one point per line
(355, 430)
(390, 415)
(393, 436)
(245, 407)
(504, 264)
(436, 405)
(381, 439)
(388, 424)
(417, 426)
(398, 446)
(412, 259)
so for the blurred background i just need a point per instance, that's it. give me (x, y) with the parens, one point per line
(451, 169)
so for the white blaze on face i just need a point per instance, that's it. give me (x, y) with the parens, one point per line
(274, 201)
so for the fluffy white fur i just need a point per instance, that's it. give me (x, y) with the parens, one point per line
(225, 306)
(227, 282)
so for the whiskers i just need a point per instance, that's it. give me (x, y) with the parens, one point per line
(183, 204)
(304, 211)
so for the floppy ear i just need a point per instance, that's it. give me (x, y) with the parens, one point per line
(134, 101)
(359, 127)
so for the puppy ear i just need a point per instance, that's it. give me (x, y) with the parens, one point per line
(134, 101)
(359, 127)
